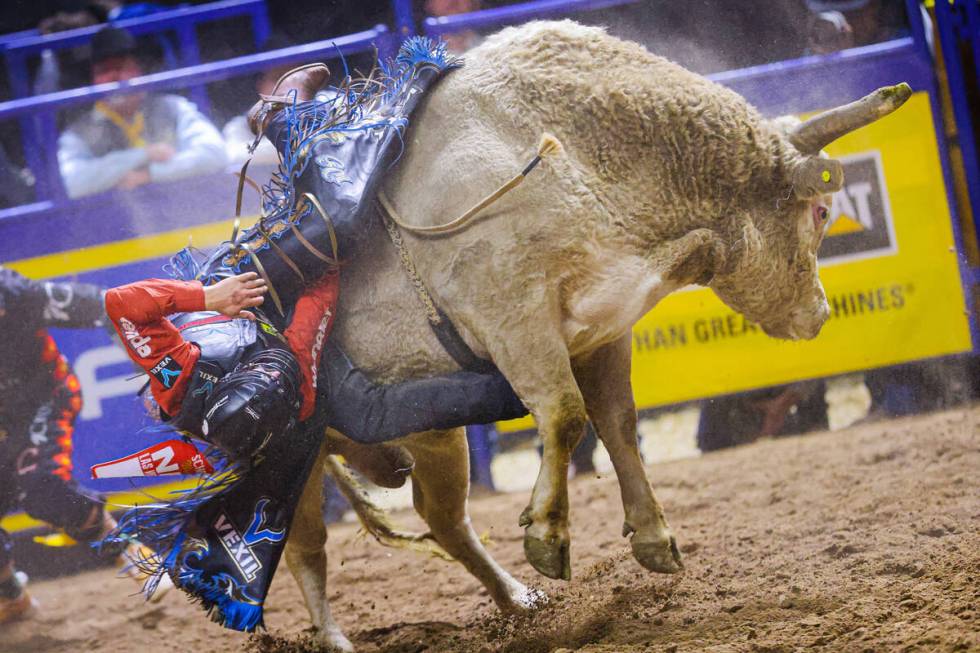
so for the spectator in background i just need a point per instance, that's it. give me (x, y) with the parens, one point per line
(132, 139)
(841, 24)
(68, 68)
(829, 32)
(458, 42)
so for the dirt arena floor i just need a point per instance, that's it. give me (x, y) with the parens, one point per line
(866, 539)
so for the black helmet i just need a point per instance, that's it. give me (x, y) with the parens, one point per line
(254, 402)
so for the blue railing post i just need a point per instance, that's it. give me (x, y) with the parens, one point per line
(918, 27)
(49, 186)
(30, 131)
(499, 16)
(20, 83)
(404, 19)
(260, 26)
(387, 42)
(949, 20)
(190, 55)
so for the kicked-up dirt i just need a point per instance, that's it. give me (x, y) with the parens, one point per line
(866, 539)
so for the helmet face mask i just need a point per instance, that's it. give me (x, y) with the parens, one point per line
(251, 404)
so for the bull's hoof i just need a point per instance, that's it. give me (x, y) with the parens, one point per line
(332, 640)
(549, 557)
(523, 600)
(662, 556)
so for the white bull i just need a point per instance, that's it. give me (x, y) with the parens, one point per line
(665, 179)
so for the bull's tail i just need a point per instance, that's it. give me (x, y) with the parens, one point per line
(374, 519)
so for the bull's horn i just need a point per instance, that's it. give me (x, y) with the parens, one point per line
(819, 131)
(816, 176)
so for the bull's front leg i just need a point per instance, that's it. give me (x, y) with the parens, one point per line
(541, 374)
(604, 379)
(307, 560)
(545, 520)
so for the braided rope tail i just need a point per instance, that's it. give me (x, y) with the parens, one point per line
(549, 145)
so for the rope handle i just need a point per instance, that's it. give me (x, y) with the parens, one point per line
(549, 145)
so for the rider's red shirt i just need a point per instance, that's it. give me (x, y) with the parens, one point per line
(312, 321)
(138, 312)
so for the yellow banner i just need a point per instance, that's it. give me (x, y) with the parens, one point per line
(888, 264)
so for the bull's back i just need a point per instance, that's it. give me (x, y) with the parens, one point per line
(476, 128)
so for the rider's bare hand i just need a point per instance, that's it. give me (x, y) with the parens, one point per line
(233, 295)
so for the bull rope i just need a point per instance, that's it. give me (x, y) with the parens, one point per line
(431, 312)
(547, 146)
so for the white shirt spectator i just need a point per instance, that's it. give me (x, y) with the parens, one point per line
(166, 140)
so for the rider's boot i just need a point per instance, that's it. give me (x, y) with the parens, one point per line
(298, 85)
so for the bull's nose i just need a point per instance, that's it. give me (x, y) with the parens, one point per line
(824, 313)
(808, 330)
(807, 324)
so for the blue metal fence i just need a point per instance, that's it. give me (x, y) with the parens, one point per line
(958, 23)
(500, 16)
(43, 109)
(18, 48)
(781, 87)
(182, 21)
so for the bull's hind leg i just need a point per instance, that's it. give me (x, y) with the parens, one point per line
(604, 378)
(440, 484)
(307, 560)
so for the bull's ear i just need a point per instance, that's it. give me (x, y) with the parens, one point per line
(814, 176)
(696, 257)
